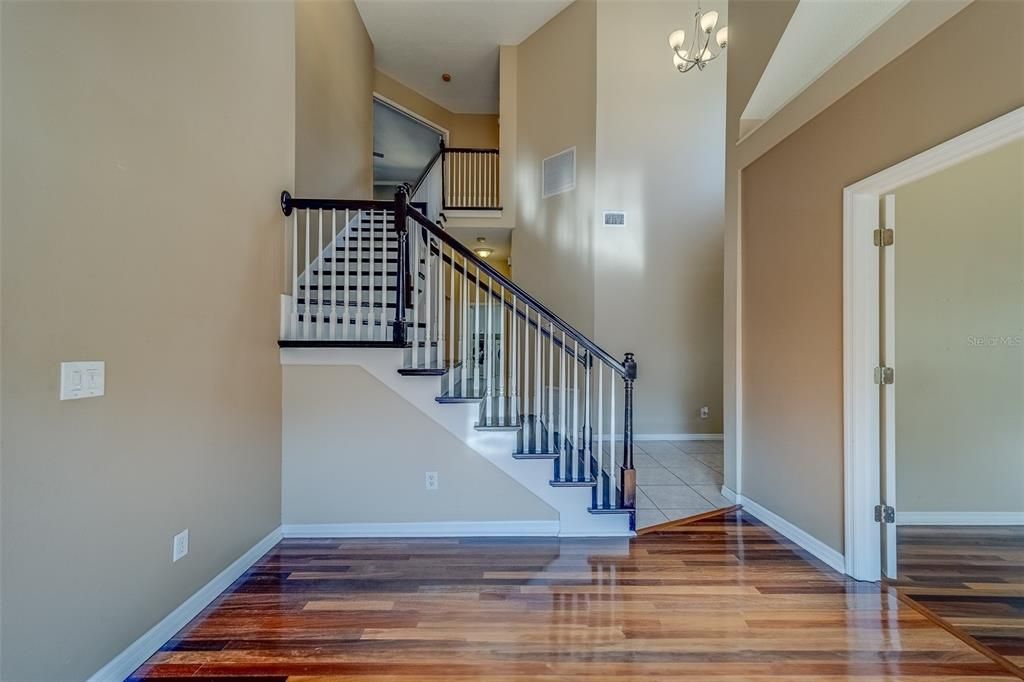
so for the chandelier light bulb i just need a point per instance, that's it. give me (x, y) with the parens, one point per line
(677, 39)
(708, 21)
(698, 53)
(722, 37)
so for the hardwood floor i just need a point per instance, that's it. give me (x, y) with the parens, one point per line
(721, 598)
(972, 577)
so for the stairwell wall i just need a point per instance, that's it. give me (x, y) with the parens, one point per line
(144, 148)
(648, 141)
(660, 158)
(556, 100)
(333, 101)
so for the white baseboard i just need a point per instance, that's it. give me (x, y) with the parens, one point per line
(801, 537)
(125, 663)
(677, 436)
(960, 518)
(438, 529)
(729, 494)
(669, 436)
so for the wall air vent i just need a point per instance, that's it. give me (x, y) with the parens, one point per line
(558, 173)
(613, 218)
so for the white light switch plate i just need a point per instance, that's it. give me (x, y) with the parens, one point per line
(82, 379)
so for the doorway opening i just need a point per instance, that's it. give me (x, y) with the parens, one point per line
(403, 144)
(934, 383)
(863, 348)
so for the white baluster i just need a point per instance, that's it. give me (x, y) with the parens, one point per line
(307, 308)
(346, 272)
(465, 326)
(502, 349)
(612, 478)
(319, 271)
(602, 497)
(576, 398)
(414, 237)
(383, 275)
(588, 436)
(359, 278)
(333, 315)
(550, 409)
(513, 360)
(524, 388)
(488, 349)
(538, 362)
(428, 297)
(441, 340)
(451, 320)
(293, 331)
(562, 435)
(476, 338)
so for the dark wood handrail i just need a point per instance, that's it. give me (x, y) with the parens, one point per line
(290, 203)
(566, 328)
(469, 150)
(415, 187)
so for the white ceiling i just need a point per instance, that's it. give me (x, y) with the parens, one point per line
(415, 41)
(819, 34)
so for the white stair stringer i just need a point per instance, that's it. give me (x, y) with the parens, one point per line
(460, 419)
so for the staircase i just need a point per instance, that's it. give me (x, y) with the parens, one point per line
(377, 283)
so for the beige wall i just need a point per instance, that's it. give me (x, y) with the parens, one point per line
(654, 287)
(354, 466)
(464, 130)
(142, 163)
(761, 23)
(658, 281)
(792, 249)
(552, 253)
(333, 101)
(960, 337)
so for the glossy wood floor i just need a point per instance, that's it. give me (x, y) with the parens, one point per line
(721, 599)
(970, 576)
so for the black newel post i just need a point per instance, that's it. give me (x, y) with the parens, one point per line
(444, 172)
(402, 281)
(628, 472)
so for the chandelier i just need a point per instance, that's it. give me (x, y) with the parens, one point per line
(699, 51)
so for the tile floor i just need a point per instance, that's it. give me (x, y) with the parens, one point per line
(676, 479)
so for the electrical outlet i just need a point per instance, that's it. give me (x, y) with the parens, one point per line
(180, 547)
(705, 412)
(431, 480)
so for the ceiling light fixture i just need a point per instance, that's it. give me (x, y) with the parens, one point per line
(699, 52)
(483, 251)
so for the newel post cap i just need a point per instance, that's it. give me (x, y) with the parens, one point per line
(629, 364)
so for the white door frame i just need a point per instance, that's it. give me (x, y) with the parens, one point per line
(861, 327)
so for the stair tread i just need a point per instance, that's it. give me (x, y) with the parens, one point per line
(375, 322)
(423, 371)
(348, 304)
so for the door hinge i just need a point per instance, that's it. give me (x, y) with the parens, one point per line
(884, 237)
(885, 376)
(884, 514)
